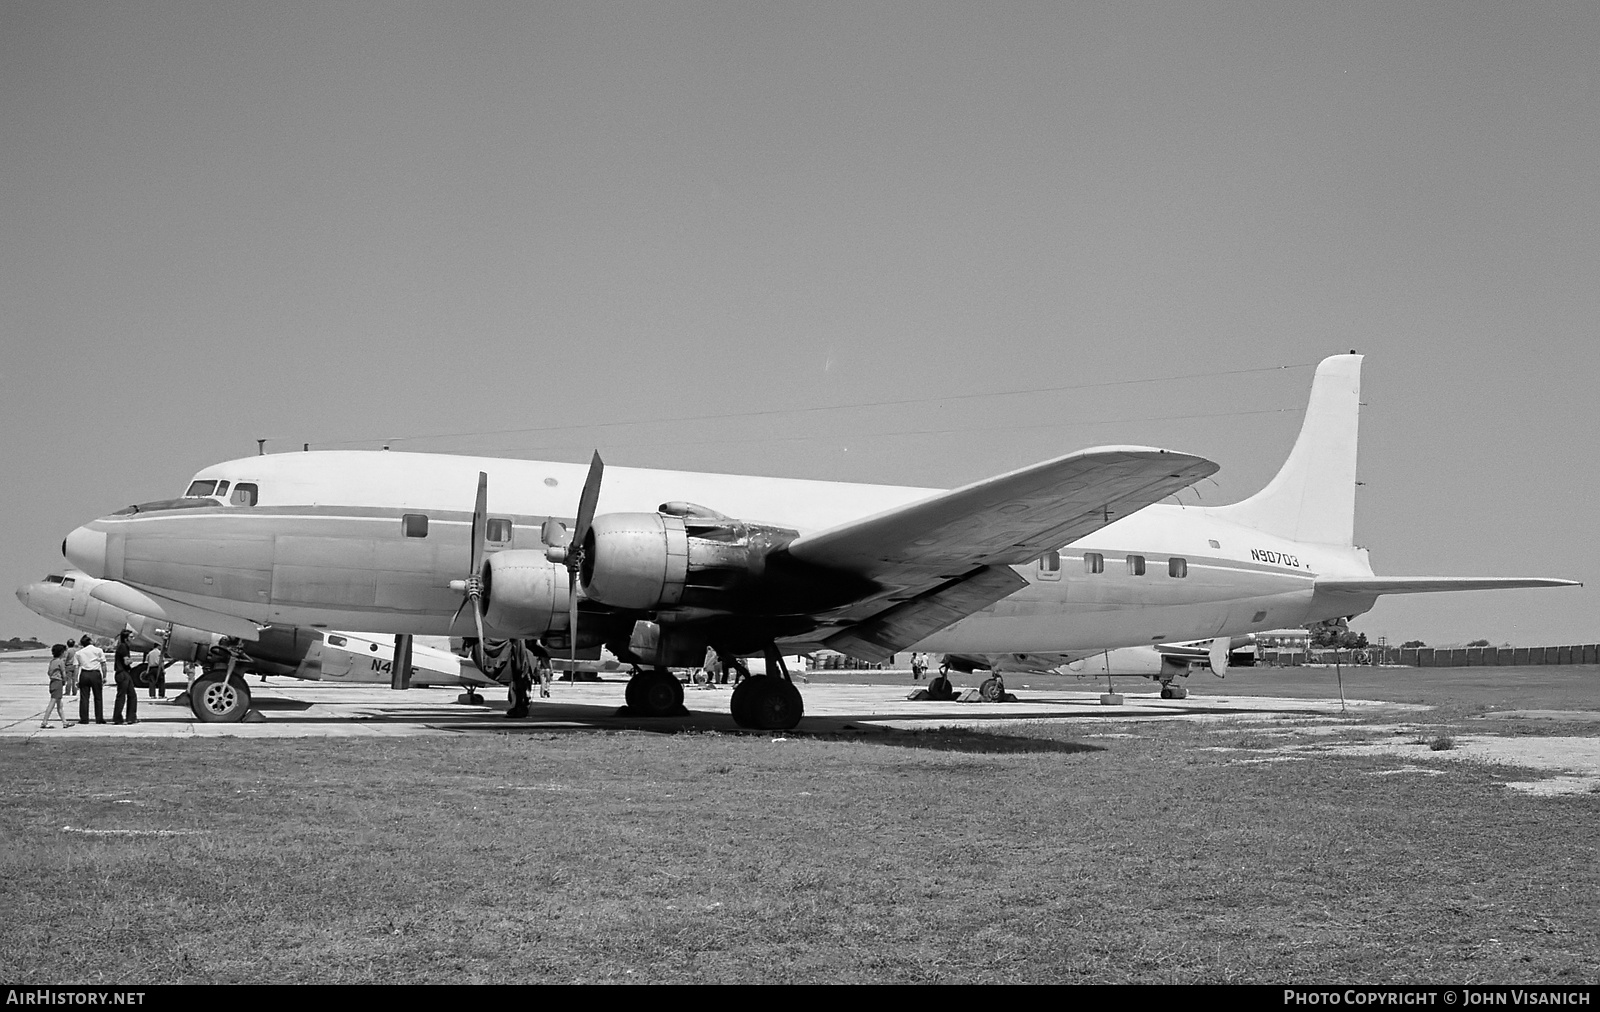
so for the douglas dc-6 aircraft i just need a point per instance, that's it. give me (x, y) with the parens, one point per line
(82, 602)
(1073, 554)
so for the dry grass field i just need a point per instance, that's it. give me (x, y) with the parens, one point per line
(1152, 851)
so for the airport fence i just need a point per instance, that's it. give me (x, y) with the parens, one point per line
(1435, 657)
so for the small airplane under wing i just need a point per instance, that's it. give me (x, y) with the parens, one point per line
(131, 599)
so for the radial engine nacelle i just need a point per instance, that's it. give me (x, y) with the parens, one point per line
(685, 557)
(524, 593)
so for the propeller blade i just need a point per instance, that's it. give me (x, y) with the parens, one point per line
(588, 501)
(480, 523)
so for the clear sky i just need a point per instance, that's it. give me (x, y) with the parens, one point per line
(574, 225)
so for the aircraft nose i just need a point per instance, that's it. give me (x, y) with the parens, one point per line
(86, 549)
(22, 595)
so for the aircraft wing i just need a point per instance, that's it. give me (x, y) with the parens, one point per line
(947, 556)
(1370, 586)
(162, 609)
(1006, 520)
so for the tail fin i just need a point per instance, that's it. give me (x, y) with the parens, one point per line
(1313, 498)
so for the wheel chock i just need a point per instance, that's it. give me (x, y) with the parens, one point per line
(252, 716)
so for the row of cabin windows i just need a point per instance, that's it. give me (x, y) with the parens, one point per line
(244, 494)
(497, 531)
(1095, 562)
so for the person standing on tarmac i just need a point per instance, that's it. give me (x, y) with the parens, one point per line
(70, 660)
(91, 679)
(58, 681)
(155, 664)
(127, 691)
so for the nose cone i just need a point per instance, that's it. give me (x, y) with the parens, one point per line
(86, 549)
(22, 595)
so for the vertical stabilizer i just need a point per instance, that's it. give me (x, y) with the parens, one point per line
(1313, 498)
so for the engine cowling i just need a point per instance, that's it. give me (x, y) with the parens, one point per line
(523, 593)
(655, 561)
(635, 560)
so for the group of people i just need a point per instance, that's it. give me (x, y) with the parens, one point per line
(80, 670)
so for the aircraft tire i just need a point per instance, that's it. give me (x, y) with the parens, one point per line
(215, 700)
(633, 695)
(659, 695)
(769, 704)
(990, 690)
(1166, 692)
(739, 704)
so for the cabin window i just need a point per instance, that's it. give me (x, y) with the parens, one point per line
(200, 489)
(1094, 562)
(1213, 543)
(1050, 566)
(336, 641)
(244, 494)
(499, 530)
(415, 525)
(1135, 565)
(1178, 568)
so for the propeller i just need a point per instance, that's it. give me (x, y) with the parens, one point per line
(571, 554)
(472, 587)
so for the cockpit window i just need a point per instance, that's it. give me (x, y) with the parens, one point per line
(67, 581)
(244, 494)
(222, 488)
(200, 488)
(53, 579)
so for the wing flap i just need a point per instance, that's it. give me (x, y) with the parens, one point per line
(898, 627)
(1369, 586)
(1010, 519)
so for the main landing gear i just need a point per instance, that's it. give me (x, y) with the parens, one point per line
(1170, 691)
(654, 693)
(768, 702)
(220, 696)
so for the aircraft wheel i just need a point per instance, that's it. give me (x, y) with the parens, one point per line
(768, 704)
(1166, 692)
(218, 701)
(1179, 692)
(990, 690)
(659, 694)
(633, 695)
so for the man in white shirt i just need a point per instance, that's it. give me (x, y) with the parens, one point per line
(91, 678)
(155, 663)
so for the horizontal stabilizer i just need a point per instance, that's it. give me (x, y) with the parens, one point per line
(162, 609)
(1367, 586)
